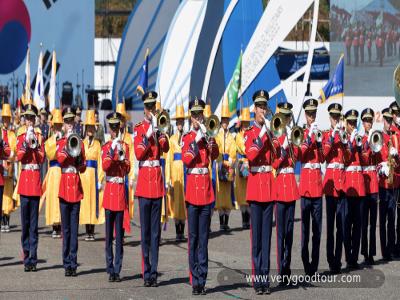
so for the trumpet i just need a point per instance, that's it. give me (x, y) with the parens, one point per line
(32, 141)
(376, 141)
(120, 152)
(163, 121)
(212, 125)
(74, 144)
(343, 136)
(358, 139)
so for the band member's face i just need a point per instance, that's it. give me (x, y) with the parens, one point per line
(225, 123)
(310, 116)
(387, 123)
(57, 127)
(260, 110)
(367, 123)
(43, 118)
(114, 130)
(288, 119)
(30, 120)
(350, 125)
(6, 121)
(179, 124)
(334, 119)
(90, 130)
(68, 124)
(196, 118)
(245, 124)
(22, 121)
(149, 108)
(77, 117)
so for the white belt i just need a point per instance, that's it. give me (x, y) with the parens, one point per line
(353, 169)
(149, 163)
(335, 166)
(70, 169)
(197, 171)
(115, 179)
(286, 171)
(311, 166)
(369, 168)
(30, 167)
(261, 169)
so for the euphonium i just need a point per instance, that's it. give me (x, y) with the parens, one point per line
(163, 121)
(376, 141)
(212, 125)
(74, 144)
(278, 125)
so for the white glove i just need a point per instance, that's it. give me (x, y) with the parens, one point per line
(150, 131)
(288, 131)
(114, 144)
(335, 130)
(393, 151)
(199, 135)
(154, 122)
(385, 169)
(203, 128)
(353, 135)
(99, 186)
(369, 135)
(312, 129)
(285, 143)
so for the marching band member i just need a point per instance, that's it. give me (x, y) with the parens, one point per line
(369, 204)
(70, 193)
(91, 213)
(285, 193)
(149, 145)
(197, 152)
(242, 171)
(333, 189)
(78, 126)
(30, 153)
(116, 167)
(260, 151)
(388, 186)
(225, 172)
(8, 135)
(53, 176)
(44, 126)
(311, 188)
(354, 189)
(177, 176)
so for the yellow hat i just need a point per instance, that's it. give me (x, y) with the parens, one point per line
(245, 115)
(225, 111)
(90, 118)
(158, 105)
(180, 113)
(57, 117)
(6, 110)
(207, 111)
(122, 110)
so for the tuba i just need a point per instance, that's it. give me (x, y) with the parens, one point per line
(212, 125)
(376, 141)
(163, 121)
(74, 144)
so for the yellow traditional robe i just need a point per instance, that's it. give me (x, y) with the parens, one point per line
(8, 202)
(240, 182)
(227, 149)
(87, 213)
(175, 179)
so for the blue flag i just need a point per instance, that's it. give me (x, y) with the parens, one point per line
(144, 75)
(335, 86)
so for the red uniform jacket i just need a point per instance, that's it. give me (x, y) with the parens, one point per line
(70, 184)
(311, 178)
(199, 190)
(284, 188)
(260, 152)
(29, 180)
(370, 175)
(150, 181)
(333, 153)
(5, 152)
(354, 184)
(382, 156)
(114, 193)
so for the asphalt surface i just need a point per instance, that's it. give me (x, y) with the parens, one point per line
(229, 261)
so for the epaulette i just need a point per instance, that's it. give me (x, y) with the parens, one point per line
(38, 130)
(21, 130)
(249, 128)
(138, 124)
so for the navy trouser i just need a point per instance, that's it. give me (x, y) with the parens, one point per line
(284, 218)
(311, 210)
(352, 229)
(1, 201)
(397, 246)
(150, 229)
(335, 210)
(29, 221)
(114, 218)
(260, 230)
(369, 215)
(387, 215)
(198, 217)
(70, 227)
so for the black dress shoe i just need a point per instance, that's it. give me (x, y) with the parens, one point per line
(33, 269)
(27, 268)
(371, 260)
(67, 272)
(154, 283)
(73, 273)
(202, 291)
(111, 278)
(195, 291)
(147, 283)
(259, 291)
(267, 291)
(117, 278)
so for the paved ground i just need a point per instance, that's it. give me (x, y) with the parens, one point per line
(229, 260)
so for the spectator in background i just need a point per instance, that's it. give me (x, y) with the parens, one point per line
(99, 135)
